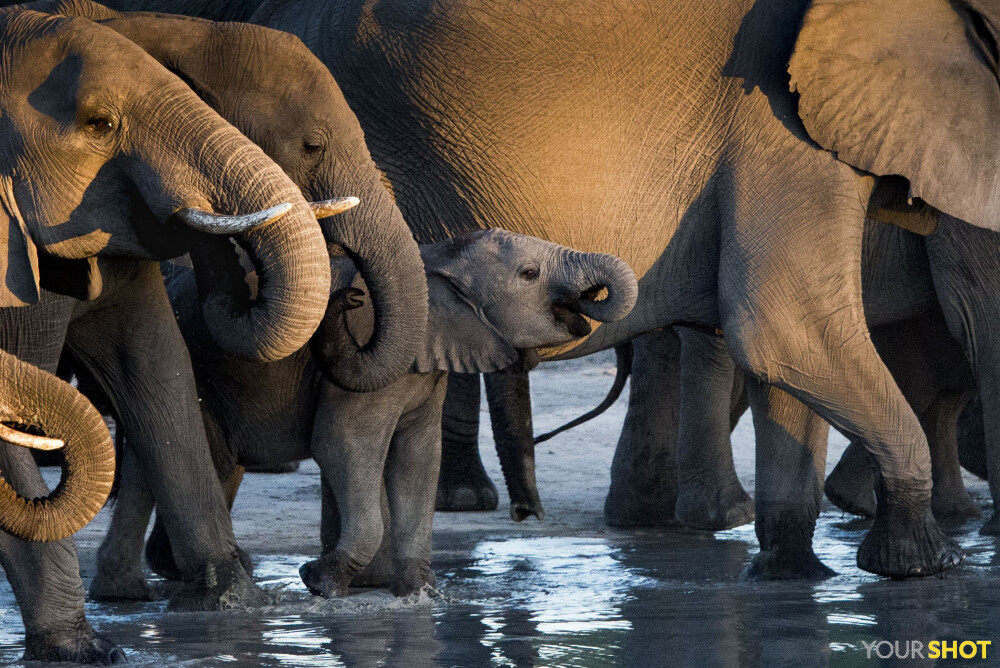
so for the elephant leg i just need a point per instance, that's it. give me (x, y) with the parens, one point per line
(351, 437)
(851, 484)
(160, 555)
(790, 304)
(950, 501)
(413, 460)
(709, 494)
(156, 399)
(378, 572)
(45, 577)
(791, 460)
(508, 394)
(934, 375)
(119, 575)
(967, 283)
(46, 581)
(644, 469)
(463, 483)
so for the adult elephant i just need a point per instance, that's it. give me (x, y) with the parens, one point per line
(909, 313)
(118, 158)
(539, 122)
(321, 147)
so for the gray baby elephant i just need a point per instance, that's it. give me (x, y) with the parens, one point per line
(495, 296)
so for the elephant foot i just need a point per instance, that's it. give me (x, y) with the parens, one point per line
(852, 494)
(464, 485)
(714, 508)
(330, 576)
(84, 647)
(954, 508)
(221, 585)
(411, 577)
(625, 508)
(378, 573)
(906, 543)
(108, 586)
(777, 564)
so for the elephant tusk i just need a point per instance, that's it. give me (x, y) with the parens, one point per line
(332, 207)
(219, 223)
(29, 440)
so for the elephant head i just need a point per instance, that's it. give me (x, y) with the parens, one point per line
(116, 156)
(247, 73)
(495, 295)
(105, 152)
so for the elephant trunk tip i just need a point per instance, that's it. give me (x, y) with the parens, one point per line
(611, 293)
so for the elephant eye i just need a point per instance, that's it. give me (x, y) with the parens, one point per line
(99, 125)
(313, 144)
(529, 273)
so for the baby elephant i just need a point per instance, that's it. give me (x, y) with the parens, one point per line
(494, 297)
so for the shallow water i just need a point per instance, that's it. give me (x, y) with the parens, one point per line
(658, 598)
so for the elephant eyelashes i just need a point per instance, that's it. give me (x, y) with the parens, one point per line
(99, 126)
(529, 273)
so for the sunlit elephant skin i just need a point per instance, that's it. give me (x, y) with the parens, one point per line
(764, 114)
(495, 296)
(904, 308)
(143, 153)
(737, 156)
(324, 153)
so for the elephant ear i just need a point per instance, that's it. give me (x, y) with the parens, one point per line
(18, 255)
(459, 337)
(908, 87)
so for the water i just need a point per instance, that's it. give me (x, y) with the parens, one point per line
(667, 598)
(564, 592)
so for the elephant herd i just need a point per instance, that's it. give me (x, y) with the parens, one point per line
(305, 233)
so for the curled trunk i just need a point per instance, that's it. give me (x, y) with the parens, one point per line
(600, 286)
(293, 278)
(377, 240)
(35, 398)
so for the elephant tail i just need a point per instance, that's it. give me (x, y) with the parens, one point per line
(623, 357)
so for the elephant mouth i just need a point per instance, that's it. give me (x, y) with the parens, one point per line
(570, 318)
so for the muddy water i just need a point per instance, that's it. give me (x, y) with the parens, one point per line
(668, 598)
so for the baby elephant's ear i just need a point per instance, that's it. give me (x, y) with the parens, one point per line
(18, 255)
(459, 337)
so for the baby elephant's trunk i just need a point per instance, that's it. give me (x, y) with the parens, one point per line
(599, 286)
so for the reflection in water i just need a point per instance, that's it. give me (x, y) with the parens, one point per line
(640, 598)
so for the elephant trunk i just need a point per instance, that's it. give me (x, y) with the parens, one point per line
(288, 254)
(376, 238)
(293, 274)
(32, 397)
(597, 285)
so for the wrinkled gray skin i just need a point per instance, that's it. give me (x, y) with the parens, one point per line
(494, 296)
(731, 168)
(321, 148)
(137, 145)
(737, 163)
